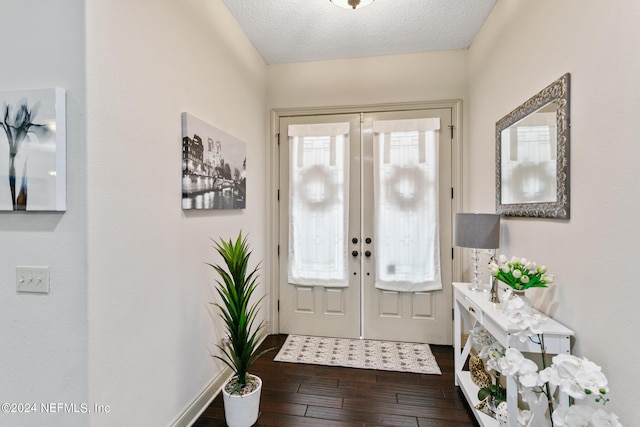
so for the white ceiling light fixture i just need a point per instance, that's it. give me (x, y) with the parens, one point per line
(351, 4)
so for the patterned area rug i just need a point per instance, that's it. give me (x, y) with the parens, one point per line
(365, 354)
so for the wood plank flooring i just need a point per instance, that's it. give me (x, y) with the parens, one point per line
(320, 396)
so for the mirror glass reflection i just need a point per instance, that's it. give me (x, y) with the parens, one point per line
(529, 158)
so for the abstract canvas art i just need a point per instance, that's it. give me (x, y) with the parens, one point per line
(213, 167)
(33, 150)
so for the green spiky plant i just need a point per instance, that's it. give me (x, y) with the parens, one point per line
(236, 285)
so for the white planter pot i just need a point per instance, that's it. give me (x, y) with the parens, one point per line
(242, 411)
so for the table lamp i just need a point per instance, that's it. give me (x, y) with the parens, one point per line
(477, 231)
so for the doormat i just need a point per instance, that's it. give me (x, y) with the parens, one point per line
(363, 354)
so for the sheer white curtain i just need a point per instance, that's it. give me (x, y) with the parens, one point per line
(407, 240)
(318, 204)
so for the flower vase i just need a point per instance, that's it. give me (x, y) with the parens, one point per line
(538, 408)
(523, 297)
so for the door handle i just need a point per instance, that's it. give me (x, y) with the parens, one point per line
(354, 253)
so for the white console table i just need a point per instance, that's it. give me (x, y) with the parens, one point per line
(473, 309)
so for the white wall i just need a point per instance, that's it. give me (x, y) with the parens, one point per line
(401, 78)
(522, 48)
(43, 356)
(150, 331)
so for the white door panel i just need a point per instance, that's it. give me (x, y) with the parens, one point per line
(314, 296)
(423, 316)
(319, 295)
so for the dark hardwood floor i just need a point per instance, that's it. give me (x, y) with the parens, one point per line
(313, 395)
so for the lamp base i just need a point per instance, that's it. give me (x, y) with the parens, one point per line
(479, 287)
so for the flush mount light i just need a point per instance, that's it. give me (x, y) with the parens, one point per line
(351, 4)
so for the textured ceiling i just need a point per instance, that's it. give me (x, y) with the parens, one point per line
(286, 31)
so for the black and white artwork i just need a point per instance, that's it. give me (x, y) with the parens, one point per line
(33, 150)
(213, 167)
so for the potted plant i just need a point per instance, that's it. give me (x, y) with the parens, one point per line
(235, 286)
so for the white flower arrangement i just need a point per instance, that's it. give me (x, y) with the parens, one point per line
(520, 273)
(577, 377)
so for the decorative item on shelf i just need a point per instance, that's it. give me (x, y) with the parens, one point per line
(494, 296)
(520, 273)
(491, 392)
(351, 4)
(235, 286)
(477, 231)
(479, 375)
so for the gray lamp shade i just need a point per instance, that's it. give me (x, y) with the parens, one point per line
(480, 231)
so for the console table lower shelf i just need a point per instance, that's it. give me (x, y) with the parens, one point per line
(470, 391)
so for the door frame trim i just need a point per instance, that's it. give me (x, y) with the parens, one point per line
(272, 213)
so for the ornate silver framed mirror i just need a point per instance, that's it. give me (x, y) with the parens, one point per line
(532, 156)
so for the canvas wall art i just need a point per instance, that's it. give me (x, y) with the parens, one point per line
(213, 167)
(33, 150)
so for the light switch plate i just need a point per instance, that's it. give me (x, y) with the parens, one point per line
(32, 279)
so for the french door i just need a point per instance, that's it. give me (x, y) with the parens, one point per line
(365, 225)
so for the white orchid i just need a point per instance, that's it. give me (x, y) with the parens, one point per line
(510, 363)
(584, 416)
(521, 313)
(602, 418)
(573, 416)
(575, 376)
(491, 356)
(578, 377)
(528, 374)
(514, 363)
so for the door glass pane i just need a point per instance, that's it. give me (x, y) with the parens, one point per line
(318, 204)
(406, 205)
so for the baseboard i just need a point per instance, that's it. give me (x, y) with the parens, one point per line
(192, 412)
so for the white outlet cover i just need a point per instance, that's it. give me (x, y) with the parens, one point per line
(32, 279)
